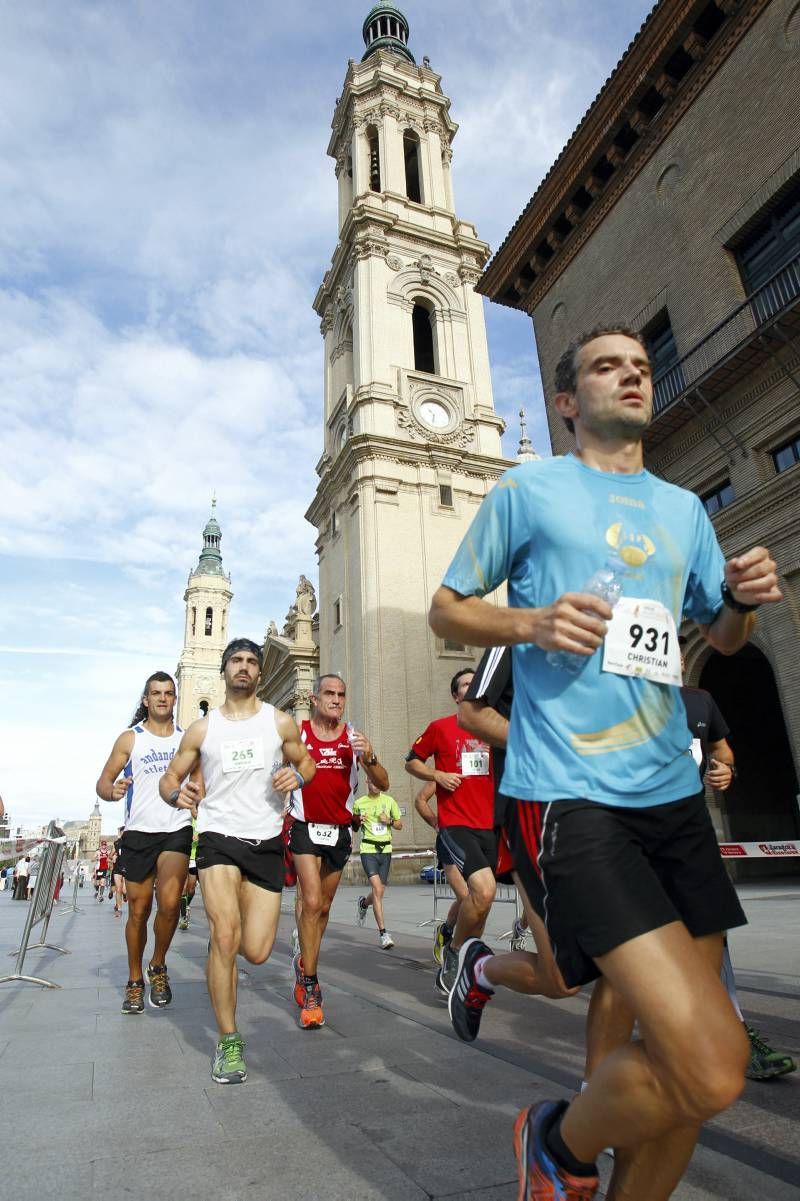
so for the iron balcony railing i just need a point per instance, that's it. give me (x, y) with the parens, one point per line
(759, 310)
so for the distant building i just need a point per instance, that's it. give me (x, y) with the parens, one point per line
(675, 206)
(208, 597)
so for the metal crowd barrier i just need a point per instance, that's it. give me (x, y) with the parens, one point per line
(443, 895)
(71, 906)
(40, 906)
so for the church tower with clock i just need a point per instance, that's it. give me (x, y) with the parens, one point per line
(411, 437)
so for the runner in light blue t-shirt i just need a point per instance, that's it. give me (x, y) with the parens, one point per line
(606, 792)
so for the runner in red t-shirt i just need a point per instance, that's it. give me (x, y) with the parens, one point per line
(319, 837)
(466, 842)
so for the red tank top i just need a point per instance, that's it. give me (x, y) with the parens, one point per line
(329, 796)
(102, 865)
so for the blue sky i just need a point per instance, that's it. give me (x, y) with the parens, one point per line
(168, 213)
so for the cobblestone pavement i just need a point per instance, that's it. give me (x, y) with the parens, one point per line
(383, 1103)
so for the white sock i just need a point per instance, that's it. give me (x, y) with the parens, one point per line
(480, 974)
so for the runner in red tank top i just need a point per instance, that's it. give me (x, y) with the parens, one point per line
(319, 838)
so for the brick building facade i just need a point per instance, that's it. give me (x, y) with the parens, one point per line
(675, 207)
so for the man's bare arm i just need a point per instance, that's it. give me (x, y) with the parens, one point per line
(173, 786)
(484, 721)
(575, 622)
(720, 771)
(428, 774)
(296, 751)
(109, 787)
(753, 580)
(423, 808)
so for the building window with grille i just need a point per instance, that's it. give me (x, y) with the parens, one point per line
(209, 621)
(772, 244)
(786, 455)
(446, 496)
(720, 498)
(662, 350)
(338, 613)
(194, 620)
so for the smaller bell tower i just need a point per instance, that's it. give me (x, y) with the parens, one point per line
(208, 598)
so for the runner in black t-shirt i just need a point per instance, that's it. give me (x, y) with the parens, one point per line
(485, 711)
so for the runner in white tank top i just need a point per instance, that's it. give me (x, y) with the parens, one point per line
(156, 841)
(242, 748)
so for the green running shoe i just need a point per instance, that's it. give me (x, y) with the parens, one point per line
(765, 1062)
(228, 1066)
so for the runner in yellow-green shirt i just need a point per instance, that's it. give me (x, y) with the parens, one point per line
(190, 883)
(379, 815)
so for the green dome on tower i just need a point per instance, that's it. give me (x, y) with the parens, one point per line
(210, 556)
(385, 28)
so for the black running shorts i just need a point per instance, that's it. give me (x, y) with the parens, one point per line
(139, 852)
(304, 840)
(467, 849)
(377, 863)
(611, 874)
(260, 860)
(522, 830)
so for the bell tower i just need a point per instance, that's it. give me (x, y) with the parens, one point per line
(412, 440)
(208, 597)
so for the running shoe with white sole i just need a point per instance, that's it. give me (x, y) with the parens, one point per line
(160, 991)
(134, 997)
(228, 1065)
(467, 997)
(540, 1178)
(183, 924)
(386, 941)
(361, 911)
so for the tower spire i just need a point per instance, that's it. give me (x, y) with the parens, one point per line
(210, 562)
(385, 28)
(525, 451)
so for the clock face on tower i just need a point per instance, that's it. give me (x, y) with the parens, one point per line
(434, 414)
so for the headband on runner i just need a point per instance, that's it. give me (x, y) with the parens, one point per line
(241, 644)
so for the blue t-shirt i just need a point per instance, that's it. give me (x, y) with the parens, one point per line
(546, 527)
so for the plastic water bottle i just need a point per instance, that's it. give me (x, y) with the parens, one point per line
(350, 731)
(605, 583)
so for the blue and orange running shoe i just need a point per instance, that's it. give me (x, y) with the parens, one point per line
(540, 1179)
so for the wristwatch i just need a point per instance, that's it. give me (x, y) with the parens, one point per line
(730, 600)
(373, 759)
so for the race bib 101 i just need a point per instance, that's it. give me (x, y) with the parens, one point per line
(474, 763)
(642, 640)
(241, 754)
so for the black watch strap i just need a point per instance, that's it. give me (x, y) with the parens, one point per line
(730, 600)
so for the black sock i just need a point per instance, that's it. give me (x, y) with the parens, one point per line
(447, 931)
(184, 904)
(189, 899)
(561, 1152)
(310, 981)
(382, 930)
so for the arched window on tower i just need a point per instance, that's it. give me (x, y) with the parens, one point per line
(204, 708)
(194, 620)
(209, 621)
(374, 159)
(424, 359)
(411, 156)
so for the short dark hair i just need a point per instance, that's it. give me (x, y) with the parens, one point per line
(465, 671)
(566, 373)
